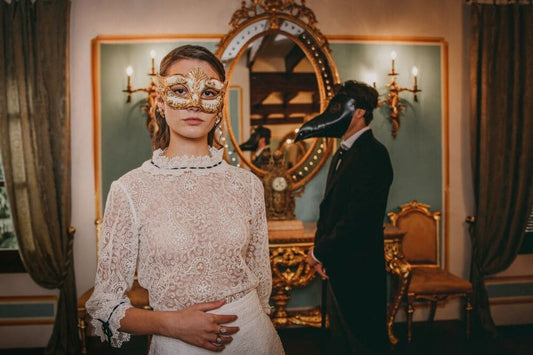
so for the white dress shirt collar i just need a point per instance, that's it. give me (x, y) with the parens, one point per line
(347, 143)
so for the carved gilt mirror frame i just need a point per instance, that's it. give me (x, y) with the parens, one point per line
(257, 19)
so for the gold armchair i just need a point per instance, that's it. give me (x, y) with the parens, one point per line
(428, 281)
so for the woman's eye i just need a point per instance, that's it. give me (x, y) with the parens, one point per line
(210, 93)
(179, 90)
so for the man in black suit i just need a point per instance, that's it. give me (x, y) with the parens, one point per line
(348, 249)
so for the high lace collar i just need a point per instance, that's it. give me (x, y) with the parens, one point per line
(160, 164)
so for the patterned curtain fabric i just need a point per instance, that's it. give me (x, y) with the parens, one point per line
(502, 139)
(35, 146)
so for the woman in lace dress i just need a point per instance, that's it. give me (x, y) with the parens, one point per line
(192, 225)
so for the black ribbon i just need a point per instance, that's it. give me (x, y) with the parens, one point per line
(105, 325)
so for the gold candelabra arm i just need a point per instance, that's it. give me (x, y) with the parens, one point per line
(393, 96)
(150, 90)
(149, 106)
(393, 100)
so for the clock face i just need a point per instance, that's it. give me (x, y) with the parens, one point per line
(279, 183)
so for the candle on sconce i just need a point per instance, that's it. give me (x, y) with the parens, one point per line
(129, 72)
(152, 54)
(393, 56)
(415, 73)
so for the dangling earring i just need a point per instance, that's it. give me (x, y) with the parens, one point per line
(219, 118)
(220, 132)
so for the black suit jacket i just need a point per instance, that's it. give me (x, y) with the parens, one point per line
(262, 159)
(349, 237)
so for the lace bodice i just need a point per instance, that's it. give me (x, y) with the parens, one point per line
(195, 228)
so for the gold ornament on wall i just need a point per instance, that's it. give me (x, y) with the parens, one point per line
(393, 99)
(150, 90)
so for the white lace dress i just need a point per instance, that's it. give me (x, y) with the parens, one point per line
(195, 229)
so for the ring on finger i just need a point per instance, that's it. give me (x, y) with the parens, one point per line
(218, 341)
(222, 330)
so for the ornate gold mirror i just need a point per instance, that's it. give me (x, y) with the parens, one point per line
(280, 62)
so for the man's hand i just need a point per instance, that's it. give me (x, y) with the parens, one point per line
(319, 268)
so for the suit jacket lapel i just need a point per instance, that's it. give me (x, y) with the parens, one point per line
(347, 157)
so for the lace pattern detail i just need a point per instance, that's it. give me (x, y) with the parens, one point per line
(160, 164)
(198, 237)
(111, 332)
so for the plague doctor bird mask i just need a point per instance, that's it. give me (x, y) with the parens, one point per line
(333, 122)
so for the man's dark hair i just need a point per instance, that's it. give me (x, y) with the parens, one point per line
(366, 97)
(264, 132)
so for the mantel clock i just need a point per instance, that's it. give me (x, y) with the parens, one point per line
(279, 192)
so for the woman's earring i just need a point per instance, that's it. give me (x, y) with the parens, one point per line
(219, 118)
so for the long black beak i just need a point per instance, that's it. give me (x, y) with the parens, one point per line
(333, 122)
(251, 143)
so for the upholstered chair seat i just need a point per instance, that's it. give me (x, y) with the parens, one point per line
(431, 280)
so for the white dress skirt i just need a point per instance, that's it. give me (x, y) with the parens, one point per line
(256, 335)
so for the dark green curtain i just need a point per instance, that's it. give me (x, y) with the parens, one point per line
(35, 146)
(502, 140)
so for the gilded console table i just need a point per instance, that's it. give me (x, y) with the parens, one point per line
(289, 243)
(400, 270)
(288, 253)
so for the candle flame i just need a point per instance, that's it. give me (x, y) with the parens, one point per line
(129, 70)
(415, 71)
(393, 55)
(152, 53)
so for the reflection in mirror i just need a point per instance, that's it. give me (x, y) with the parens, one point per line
(280, 74)
(283, 94)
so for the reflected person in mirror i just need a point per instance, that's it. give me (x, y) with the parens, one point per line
(192, 226)
(259, 143)
(348, 248)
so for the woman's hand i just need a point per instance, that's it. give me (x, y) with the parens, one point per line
(192, 325)
(195, 326)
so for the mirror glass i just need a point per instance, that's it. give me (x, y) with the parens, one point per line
(283, 94)
(280, 75)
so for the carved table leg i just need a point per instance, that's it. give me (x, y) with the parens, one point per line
(289, 270)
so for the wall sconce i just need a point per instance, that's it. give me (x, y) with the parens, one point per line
(393, 96)
(150, 90)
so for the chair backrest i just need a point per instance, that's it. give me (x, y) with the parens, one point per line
(421, 226)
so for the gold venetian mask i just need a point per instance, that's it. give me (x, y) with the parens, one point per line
(194, 89)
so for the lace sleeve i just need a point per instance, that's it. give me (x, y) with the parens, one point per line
(257, 256)
(117, 258)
